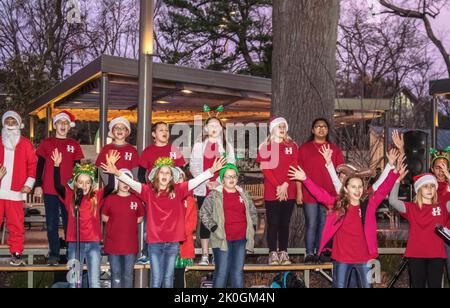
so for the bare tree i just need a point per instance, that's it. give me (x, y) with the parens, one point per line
(304, 69)
(424, 10)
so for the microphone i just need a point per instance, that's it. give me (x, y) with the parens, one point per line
(444, 233)
(78, 197)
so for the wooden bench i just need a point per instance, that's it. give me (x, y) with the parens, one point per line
(247, 268)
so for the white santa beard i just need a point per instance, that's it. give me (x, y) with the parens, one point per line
(10, 137)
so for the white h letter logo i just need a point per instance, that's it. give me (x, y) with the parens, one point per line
(128, 156)
(437, 211)
(70, 149)
(288, 151)
(134, 206)
(173, 155)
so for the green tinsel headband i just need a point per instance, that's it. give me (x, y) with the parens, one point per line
(218, 111)
(87, 169)
(165, 162)
(436, 154)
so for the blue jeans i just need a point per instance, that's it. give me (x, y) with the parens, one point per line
(343, 271)
(122, 271)
(447, 247)
(162, 264)
(230, 264)
(89, 252)
(53, 209)
(315, 216)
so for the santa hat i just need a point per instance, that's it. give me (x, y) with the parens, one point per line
(119, 120)
(65, 115)
(15, 116)
(274, 122)
(116, 180)
(424, 179)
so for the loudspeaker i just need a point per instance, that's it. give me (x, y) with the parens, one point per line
(416, 150)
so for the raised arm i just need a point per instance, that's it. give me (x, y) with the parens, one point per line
(392, 156)
(318, 192)
(334, 177)
(57, 159)
(110, 167)
(394, 201)
(219, 163)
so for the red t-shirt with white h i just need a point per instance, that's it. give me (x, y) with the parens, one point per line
(423, 241)
(165, 213)
(129, 157)
(153, 152)
(349, 242)
(121, 236)
(90, 222)
(235, 216)
(70, 150)
(276, 158)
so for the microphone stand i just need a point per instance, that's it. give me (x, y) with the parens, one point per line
(78, 245)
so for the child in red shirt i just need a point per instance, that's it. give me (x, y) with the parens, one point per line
(83, 180)
(72, 155)
(351, 224)
(440, 162)
(205, 151)
(160, 148)
(312, 162)
(425, 250)
(187, 249)
(122, 213)
(119, 131)
(165, 213)
(275, 156)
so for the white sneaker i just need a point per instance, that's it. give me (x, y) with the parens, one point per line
(204, 261)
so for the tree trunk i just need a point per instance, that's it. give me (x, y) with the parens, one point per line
(304, 71)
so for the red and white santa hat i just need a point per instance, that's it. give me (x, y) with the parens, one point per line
(119, 120)
(65, 115)
(274, 122)
(424, 179)
(15, 116)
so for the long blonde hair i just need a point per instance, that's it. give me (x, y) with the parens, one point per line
(418, 199)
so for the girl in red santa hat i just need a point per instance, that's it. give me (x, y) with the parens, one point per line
(119, 131)
(72, 154)
(17, 178)
(425, 250)
(275, 156)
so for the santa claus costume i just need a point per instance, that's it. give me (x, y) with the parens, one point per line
(18, 173)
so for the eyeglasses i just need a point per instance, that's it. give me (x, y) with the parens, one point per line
(231, 177)
(120, 128)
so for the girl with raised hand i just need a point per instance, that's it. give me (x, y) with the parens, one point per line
(165, 213)
(425, 250)
(84, 178)
(351, 223)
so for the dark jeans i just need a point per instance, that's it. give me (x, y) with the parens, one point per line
(426, 273)
(342, 272)
(53, 209)
(447, 247)
(163, 257)
(315, 216)
(230, 265)
(122, 271)
(278, 216)
(205, 234)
